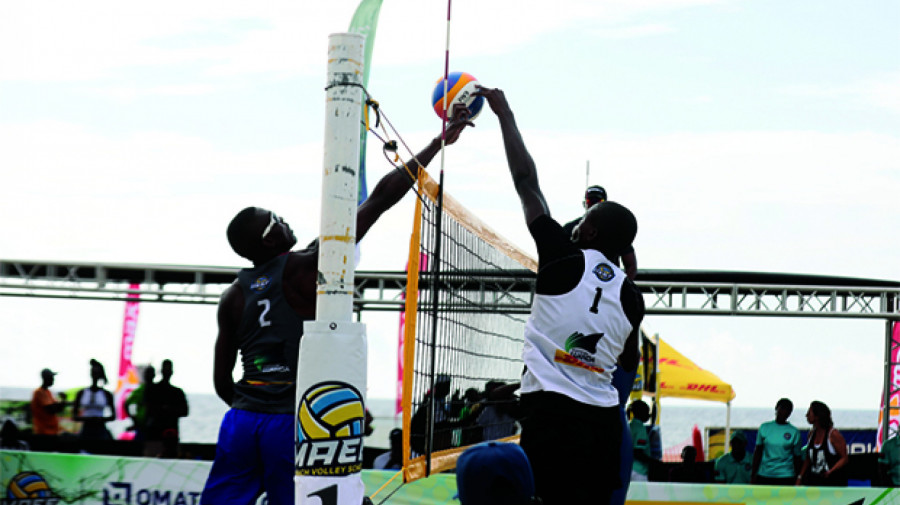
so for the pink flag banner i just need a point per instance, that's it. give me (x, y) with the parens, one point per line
(894, 419)
(128, 376)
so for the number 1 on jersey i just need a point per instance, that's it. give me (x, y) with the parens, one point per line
(597, 296)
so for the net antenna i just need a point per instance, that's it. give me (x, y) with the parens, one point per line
(330, 412)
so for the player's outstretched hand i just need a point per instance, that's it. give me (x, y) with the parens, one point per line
(457, 124)
(495, 98)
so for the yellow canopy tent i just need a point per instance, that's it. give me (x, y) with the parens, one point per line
(679, 377)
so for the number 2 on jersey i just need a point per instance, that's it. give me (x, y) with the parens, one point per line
(266, 305)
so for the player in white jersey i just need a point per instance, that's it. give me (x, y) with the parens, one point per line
(584, 322)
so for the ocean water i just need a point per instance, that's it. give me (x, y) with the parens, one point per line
(676, 421)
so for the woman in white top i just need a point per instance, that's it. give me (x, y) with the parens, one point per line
(94, 406)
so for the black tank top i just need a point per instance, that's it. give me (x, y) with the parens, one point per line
(822, 458)
(269, 340)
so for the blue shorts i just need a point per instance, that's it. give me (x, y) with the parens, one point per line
(254, 453)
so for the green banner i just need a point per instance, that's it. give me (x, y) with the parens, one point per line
(365, 21)
(37, 478)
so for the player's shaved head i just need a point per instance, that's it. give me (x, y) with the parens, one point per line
(608, 227)
(244, 232)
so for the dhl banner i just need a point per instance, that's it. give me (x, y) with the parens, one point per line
(680, 377)
(34, 478)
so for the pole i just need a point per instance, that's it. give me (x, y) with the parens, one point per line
(331, 373)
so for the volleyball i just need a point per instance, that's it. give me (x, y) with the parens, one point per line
(28, 485)
(460, 89)
(330, 410)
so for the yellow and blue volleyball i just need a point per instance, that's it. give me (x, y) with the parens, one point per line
(28, 485)
(460, 89)
(330, 410)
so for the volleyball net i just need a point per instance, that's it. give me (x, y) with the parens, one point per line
(468, 296)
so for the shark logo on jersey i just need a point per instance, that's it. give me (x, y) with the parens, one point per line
(604, 272)
(261, 284)
(579, 351)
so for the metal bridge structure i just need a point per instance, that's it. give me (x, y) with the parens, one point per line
(666, 292)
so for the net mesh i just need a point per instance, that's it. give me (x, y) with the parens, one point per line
(470, 298)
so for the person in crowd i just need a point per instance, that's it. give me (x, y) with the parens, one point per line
(470, 432)
(94, 406)
(500, 410)
(134, 404)
(889, 462)
(495, 473)
(735, 466)
(45, 408)
(567, 392)
(688, 471)
(592, 196)
(391, 459)
(776, 459)
(165, 404)
(444, 420)
(11, 437)
(826, 450)
(640, 439)
(255, 449)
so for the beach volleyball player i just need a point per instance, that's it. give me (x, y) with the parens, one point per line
(261, 317)
(584, 322)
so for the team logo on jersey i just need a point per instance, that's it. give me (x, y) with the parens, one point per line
(26, 486)
(261, 284)
(579, 351)
(331, 422)
(604, 272)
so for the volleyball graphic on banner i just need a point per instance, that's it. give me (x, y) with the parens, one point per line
(330, 426)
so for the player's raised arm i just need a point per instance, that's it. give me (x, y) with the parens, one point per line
(521, 165)
(391, 188)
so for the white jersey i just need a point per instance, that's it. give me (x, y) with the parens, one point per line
(573, 340)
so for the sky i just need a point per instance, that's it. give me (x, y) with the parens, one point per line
(746, 135)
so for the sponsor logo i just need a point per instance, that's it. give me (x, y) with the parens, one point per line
(261, 284)
(579, 351)
(787, 436)
(567, 359)
(330, 427)
(29, 488)
(604, 272)
(124, 493)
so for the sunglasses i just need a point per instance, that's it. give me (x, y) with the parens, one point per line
(590, 202)
(273, 220)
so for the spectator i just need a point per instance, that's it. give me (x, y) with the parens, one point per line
(592, 196)
(776, 459)
(45, 408)
(500, 411)
(735, 467)
(640, 441)
(889, 462)
(443, 424)
(688, 470)
(391, 459)
(134, 404)
(826, 450)
(94, 406)
(11, 437)
(495, 473)
(165, 404)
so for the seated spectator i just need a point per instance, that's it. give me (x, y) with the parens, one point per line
(391, 459)
(11, 437)
(495, 473)
(889, 462)
(735, 467)
(688, 470)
